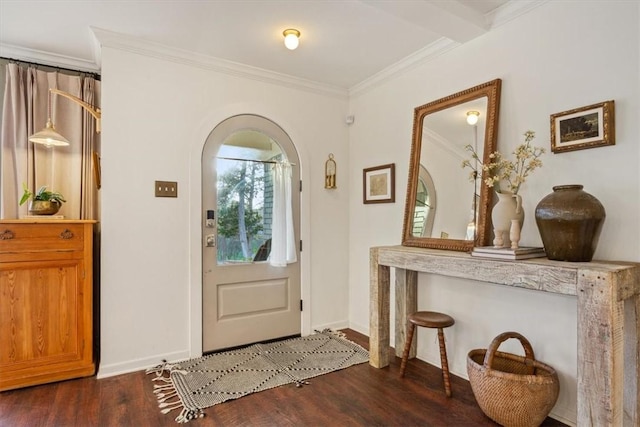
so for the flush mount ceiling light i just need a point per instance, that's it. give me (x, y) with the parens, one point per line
(48, 136)
(472, 117)
(291, 38)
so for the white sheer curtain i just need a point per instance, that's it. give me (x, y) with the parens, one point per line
(68, 170)
(283, 244)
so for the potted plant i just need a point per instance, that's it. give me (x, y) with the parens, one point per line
(43, 202)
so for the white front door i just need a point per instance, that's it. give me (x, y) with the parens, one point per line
(245, 299)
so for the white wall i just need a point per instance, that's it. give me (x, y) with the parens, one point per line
(157, 116)
(555, 58)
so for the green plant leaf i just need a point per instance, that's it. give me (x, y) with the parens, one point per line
(43, 195)
(26, 195)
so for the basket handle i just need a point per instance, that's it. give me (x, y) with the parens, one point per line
(493, 347)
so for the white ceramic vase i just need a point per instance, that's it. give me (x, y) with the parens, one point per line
(508, 208)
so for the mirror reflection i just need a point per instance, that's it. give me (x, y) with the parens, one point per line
(425, 210)
(445, 134)
(442, 131)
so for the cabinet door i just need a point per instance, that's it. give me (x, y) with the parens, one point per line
(42, 329)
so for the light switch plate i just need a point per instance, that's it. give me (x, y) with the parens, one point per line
(166, 189)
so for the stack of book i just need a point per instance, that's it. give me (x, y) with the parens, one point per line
(42, 217)
(508, 253)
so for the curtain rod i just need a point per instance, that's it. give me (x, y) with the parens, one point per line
(249, 160)
(35, 64)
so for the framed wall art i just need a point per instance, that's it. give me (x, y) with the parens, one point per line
(585, 127)
(379, 184)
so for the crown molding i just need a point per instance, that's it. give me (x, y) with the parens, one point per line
(443, 143)
(47, 58)
(155, 50)
(496, 18)
(96, 48)
(433, 50)
(511, 10)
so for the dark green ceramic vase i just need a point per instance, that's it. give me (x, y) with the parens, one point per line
(570, 221)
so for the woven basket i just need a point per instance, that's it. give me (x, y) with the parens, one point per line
(512, 390)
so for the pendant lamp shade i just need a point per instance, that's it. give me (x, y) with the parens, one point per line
(49, 137)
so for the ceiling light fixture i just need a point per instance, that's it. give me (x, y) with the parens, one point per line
(472, 117)
(291, 38)
(48, 136)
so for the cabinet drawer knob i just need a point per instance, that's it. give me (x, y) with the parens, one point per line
(66, 234)
(7, 235)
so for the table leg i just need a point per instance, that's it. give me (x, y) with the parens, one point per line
(406, 303)
(600, 350)
(379, 300)
(634, 391)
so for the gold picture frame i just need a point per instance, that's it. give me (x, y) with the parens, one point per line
(379, 184)
(581, 128)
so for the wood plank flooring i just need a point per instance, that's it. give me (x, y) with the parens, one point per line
(357, 396)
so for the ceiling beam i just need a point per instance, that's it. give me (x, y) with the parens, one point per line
(449, 19)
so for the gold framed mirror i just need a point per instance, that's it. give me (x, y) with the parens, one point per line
(441, 132)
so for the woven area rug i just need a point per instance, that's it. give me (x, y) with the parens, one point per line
(199, 383)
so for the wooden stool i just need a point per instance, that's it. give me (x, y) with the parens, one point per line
(429, 319)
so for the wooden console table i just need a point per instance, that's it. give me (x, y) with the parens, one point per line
(601, 289)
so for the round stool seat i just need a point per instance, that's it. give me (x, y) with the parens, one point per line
(431, 319)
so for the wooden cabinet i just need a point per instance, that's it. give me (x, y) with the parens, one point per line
(46, 301)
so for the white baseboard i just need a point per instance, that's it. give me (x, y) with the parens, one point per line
(335, 326)
(105, 371)
(364, 330)
(558, 415)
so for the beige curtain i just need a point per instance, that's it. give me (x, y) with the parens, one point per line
(68, 170)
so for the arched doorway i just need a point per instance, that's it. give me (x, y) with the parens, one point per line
(245, 298)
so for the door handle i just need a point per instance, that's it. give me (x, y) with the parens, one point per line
(210, 240)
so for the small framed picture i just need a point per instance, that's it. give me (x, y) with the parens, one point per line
(379, 184)
(581, 128)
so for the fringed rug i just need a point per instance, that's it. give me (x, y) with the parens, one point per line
(196, 384)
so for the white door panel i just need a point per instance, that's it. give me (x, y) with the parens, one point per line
(249, 299)
(245, 301)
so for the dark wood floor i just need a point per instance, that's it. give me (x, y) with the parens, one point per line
(357, 396)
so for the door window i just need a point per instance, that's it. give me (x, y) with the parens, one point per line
(245, 196)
